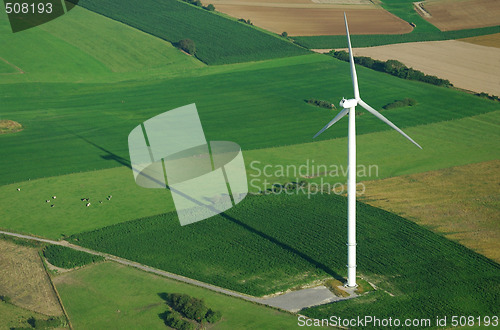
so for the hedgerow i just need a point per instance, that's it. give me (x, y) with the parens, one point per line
(392, 67)
(65, 257)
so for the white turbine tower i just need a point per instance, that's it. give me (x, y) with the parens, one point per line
(348, 107)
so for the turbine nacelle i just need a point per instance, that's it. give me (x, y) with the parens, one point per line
(347, 104)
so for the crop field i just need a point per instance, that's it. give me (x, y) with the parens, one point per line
(101, 297)
(479, 68)
(450, 15)
(307, 18)
(492, 40)
(97, 138)
(287, 239)
(173, 21)
(24, 280)
(423, 31)
(459, 202)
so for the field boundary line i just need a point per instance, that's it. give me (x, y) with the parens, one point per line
(55, 290)
(20, 71)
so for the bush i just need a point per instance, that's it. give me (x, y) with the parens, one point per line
(50, 323)
(407, 102)
(284, 34)
(5, 299)
(64, 257)
(192, 308)
(187, 45)
(210, 7)
(174, 320)
(212, 316)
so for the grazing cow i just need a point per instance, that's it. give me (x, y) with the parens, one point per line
(88, 204)
(48, 200)
(52, 205)
(18, 189)
(54, 197)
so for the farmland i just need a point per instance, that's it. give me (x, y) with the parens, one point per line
(308, 18)
(293, 238)
(173, 21)
(98, 139)
(24, 280)
(450, 15)
(459, 202)
(101, 296)
(479, 67)
(492, 40)
(461, 142)
(87, 80)
(423, 31)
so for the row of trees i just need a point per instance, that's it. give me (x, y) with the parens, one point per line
(321, 103)
(187, 307)
(392, 67)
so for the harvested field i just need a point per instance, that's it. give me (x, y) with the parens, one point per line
(24, 280)
(449, 15)
(460, 202)
(307, 18)
(472, 67)
(490, 40)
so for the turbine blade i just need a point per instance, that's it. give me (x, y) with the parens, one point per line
(354, 77)
(385, 120)
(334, 120)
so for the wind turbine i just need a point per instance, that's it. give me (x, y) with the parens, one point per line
(348, 107)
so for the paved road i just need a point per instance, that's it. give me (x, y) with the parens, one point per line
(292, 301)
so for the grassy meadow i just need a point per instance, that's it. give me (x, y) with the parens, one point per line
(109, 295)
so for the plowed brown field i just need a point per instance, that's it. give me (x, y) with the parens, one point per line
(308, 18)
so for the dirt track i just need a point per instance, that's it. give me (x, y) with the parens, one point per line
(307, 18)
(467, 66)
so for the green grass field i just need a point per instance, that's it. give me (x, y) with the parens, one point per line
(108, 295)
(288, 240)
(81, 127)
(450, 143)
(12, 317)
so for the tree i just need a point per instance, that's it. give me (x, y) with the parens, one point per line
(210, 7)
(284, 34)
(187, 45)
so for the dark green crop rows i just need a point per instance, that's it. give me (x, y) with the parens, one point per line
(340, 41)
(270, 243)
(64, 257)
(218, 40)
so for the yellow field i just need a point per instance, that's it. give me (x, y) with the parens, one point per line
(448, 15)
(462, 203)
(24, 280)
(318, 17)
(491, 40)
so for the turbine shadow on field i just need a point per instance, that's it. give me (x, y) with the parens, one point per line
(109, 155)
(285, 246)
